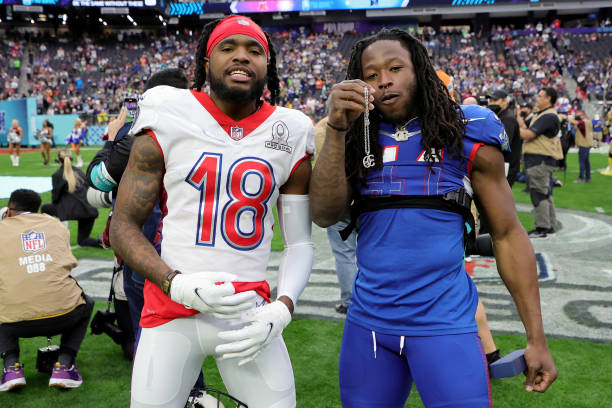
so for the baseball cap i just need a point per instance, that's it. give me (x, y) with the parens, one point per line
(498, 94)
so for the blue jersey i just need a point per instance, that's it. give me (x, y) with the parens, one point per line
(75, 136)
(411, 280)
(597, 125)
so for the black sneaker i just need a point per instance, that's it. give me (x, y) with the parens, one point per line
(538, 233)
(550, 232)
(342, 309)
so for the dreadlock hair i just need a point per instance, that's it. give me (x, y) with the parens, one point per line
(273, 83)
(442, 121)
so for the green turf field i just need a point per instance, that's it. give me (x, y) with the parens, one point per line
(584, 379)
(314, 345)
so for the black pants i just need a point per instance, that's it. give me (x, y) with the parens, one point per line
(85, 226)
(72, 326)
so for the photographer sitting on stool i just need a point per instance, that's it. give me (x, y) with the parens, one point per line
(38, 297)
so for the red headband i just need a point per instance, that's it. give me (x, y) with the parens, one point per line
(236, 25)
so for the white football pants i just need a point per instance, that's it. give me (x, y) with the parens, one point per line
(170, 356)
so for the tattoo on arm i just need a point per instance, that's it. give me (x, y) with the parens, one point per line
(329, 189)
(138, 193)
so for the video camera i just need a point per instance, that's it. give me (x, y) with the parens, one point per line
(104, 322)
(483, 100)
(483, 246)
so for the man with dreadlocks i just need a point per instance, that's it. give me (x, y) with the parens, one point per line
(412, 314)
(219, 163)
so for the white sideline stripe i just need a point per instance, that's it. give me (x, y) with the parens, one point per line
(591, 227)
(8, 184)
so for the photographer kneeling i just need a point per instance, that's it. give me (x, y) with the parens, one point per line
(37, 294)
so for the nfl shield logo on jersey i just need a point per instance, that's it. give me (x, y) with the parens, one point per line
(33, 241)
(236, 133)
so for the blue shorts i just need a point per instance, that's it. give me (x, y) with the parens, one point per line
(377, 370)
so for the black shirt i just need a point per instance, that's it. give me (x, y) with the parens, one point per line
(513, 157)
(547, 125)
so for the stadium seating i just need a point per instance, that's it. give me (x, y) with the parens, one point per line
(93, 76)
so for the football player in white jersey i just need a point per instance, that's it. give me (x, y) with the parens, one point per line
(218, 162)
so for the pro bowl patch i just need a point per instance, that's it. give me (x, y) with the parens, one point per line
(280, 137)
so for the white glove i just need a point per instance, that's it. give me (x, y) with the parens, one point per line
(267, 322)
(199, 291)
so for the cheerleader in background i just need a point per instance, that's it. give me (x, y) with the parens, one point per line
(75, 139)
(46, 136)
(14, 139)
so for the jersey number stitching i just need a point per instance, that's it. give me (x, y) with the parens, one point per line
(205, 176)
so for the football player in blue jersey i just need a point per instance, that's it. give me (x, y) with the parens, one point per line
(410, 160)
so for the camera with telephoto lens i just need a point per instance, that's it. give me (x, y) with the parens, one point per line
(483, 100)
(98, 198)
(104, 322)
(482, 245)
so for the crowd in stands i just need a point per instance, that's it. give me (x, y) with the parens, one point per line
(95, 76)
(308, 66)
(11, 53)
(589, 62)
(521, 64)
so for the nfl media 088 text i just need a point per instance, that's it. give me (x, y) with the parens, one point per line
(35, 263)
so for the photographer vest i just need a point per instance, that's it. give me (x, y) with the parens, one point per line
(585, 140)
(35, 265)
(542, 144)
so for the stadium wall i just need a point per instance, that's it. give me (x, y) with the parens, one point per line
(62, 126)
(24, 110)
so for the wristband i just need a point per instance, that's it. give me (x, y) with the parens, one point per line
(167, 282)
(336, 128)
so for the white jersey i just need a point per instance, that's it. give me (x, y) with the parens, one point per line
(222, 178)
(44, 136)
(14, 136)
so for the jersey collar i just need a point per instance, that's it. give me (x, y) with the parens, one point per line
(236, 130)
